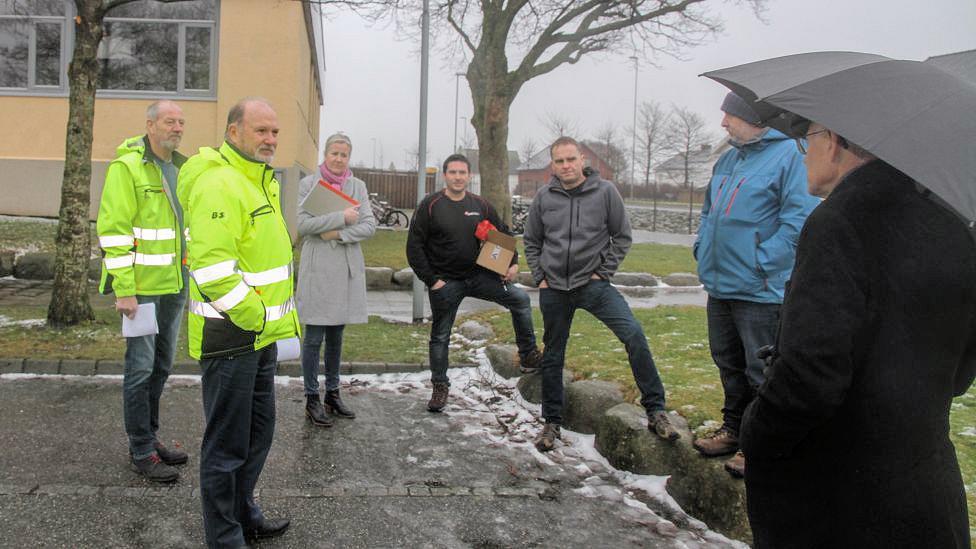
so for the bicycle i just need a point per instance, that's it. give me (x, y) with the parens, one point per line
(520, 214)
(386, 215)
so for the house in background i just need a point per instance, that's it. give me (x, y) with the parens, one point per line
(700, 162)
(535, 174)
(204, 54)
(475, 184)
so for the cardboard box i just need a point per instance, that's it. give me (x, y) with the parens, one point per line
(497, 252)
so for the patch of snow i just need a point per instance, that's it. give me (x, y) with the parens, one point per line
(968, 432)
(7, 321)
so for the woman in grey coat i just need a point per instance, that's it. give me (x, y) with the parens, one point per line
(331, 277)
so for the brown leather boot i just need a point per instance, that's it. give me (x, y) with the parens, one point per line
(334, 405)
(438, 398)
(737, 465)
(720, 443)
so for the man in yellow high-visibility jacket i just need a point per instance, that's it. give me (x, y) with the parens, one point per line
(239, 254)
(140, 232)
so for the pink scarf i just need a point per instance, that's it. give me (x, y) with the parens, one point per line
(332, 179)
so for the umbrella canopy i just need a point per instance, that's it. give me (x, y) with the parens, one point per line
(915, 116)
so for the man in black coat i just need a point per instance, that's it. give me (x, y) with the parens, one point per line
(847, 441)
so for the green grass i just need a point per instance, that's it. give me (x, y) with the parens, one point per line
(678, 338)
(377, 341)
(388, 249)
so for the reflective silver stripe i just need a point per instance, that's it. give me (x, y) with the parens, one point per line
(203, 309)
(278, 312)
(231, 298)
(186, 234)
(119, 262)
(115, 240)
(154, 234)
(271, 314)
(269, 276)
(155, 260)
(213, 272)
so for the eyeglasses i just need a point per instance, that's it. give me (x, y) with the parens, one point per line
(801, 142)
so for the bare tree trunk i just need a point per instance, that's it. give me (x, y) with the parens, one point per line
(69, 300)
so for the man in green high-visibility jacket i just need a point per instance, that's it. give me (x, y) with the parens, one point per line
(140, 232)
(239, 254)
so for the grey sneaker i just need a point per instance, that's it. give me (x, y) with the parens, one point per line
(531, 362)
(153, 468)
(438, 398)
(546, 440)
(659, 423)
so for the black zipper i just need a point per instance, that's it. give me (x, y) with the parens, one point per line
(569, 249)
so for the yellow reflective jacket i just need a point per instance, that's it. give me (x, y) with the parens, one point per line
(137, 226)
(239, 254)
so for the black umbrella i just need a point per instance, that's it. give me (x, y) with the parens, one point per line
(915, 116)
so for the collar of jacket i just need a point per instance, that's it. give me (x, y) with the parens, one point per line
(251, 168)
(766, 138)
(149, 156)
(591, 182)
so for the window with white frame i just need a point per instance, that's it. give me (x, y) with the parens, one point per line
(148, 48)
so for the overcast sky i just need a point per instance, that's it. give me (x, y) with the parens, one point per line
(373, 76)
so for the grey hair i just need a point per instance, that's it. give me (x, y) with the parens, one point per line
(236, 113)
(338, 137)
(152, 111)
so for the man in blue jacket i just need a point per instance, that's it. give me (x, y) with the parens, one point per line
(756, 203)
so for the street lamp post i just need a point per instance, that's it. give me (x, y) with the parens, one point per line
(633, 141)
(373, 139)
(418, 286)
(457, 81)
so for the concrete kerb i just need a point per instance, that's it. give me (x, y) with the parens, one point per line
(190, 367)
(701, 486)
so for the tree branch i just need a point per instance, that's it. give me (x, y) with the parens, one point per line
(457, 27)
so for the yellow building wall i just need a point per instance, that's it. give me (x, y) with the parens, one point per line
(263, 50)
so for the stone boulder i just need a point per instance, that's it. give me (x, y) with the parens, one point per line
(638, 291)
(634, 279)
(475, 330)
(36, 266)
(530, 385)
(525, 279)
(682, 279)
(586, 401)
(700, 485)
(404, 278)
(503, 360)
(6, 262)
(95, 268)
(379, 278)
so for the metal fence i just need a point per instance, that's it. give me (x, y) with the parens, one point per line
(397, 188)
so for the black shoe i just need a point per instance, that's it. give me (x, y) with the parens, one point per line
(531, 362)
(171, 456)
(438, 398)
(316, 413)
(335, 406)
(270, 529)
(546, 440)
(153, 469)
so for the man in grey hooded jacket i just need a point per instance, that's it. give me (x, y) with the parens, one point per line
(575, 238)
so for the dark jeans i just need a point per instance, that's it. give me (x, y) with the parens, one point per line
(239, 408)
(444, 303)
(314, 335)
(736, 330)
(148, 362)
(604, 302)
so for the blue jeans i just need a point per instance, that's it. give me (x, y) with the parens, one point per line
(444, 303)
(310, 356)
(604, 302)
(239, 409)
(148, 362)
(736, 330)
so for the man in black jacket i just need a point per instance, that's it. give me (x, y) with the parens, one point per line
(442, 250)
(847, 441)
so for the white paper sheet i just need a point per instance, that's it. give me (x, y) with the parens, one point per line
(143, 324)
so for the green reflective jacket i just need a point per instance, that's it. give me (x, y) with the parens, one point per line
(239, 254)
(137, 226)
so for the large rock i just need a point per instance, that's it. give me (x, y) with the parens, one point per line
(681, 279)
(634, 279)
(6, 262)
(530, 385)
(404, 278)
(525, 279)
(700, 485)
(475, 330)
(37, 266)
(503, 360)
(379, 278)
(587, 401)
(95, 268)
(638, 291)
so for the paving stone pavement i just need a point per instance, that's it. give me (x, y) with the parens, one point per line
(396, 476)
